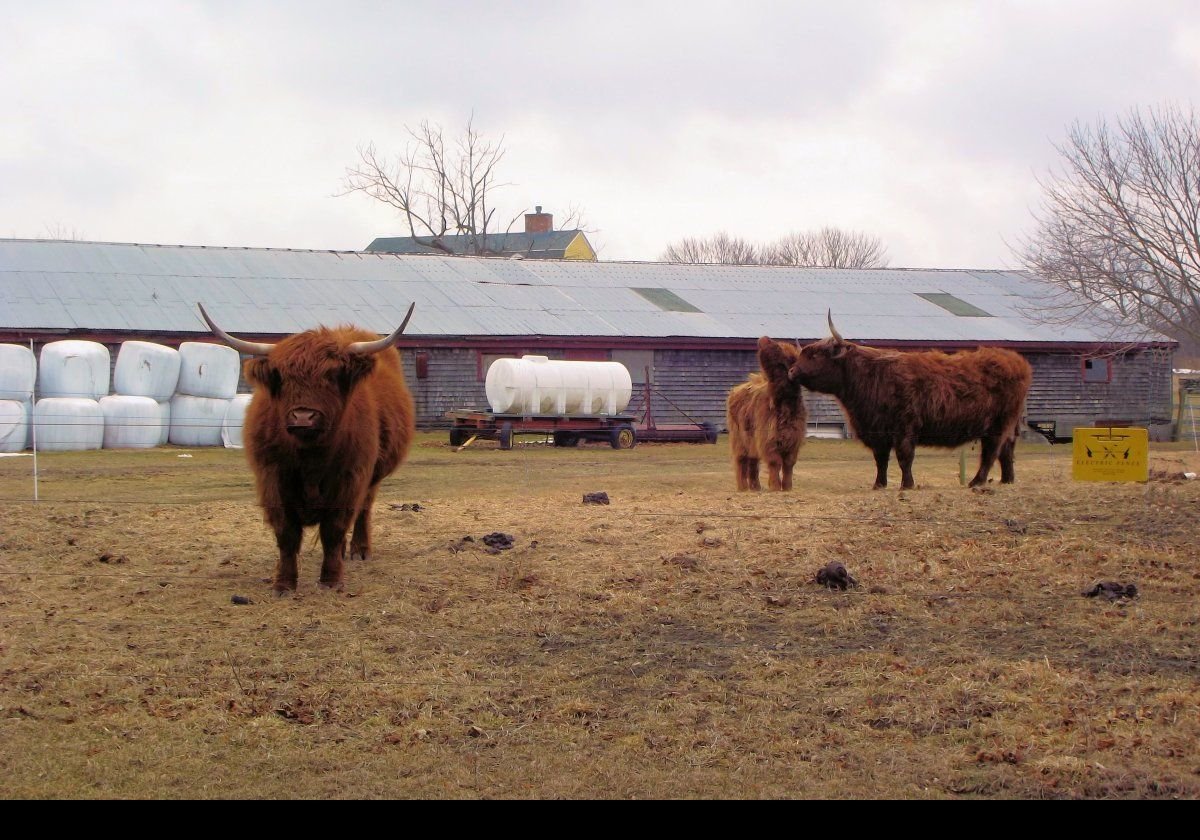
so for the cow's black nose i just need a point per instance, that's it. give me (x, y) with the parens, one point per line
(301, 420)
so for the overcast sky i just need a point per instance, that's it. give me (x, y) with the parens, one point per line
(232, 123)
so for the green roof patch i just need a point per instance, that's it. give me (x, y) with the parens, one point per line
(952, 304)
(666, 300)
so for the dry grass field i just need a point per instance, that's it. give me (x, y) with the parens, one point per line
(670, 644)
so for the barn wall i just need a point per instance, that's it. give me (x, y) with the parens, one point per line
(698, 381)
(1139, 392)
(453, 384)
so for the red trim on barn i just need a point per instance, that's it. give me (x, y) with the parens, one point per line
(519, 345)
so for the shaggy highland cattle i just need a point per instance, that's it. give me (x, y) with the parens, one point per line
(766, 419)
(330, 418)
(928, 398)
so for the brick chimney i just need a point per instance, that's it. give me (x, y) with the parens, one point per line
(539, 222)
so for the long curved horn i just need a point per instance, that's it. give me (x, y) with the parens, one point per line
(368, 347)
(832, 329)
(251, 348)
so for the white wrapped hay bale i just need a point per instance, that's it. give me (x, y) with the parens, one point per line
(208, 370)
(164, 416)
(235, 419)
(14, 425)
(68, 423)
(131, 422)
(146, 370)
(74, 369)
(196, 421)
(18, 372)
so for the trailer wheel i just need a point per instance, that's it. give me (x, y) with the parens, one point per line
(710, 433)
(458, 437)
(506, 436)
(623, 437)
(566, 439)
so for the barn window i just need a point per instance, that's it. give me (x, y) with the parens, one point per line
(486, 359)
(636, 362)
(422, 364)
(1097, 370)
(955, 305)
(666, 300)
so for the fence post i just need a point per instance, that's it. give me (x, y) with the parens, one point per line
(33, 426)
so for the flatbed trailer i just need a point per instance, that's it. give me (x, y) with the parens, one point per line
(621, 431)
(618, 430)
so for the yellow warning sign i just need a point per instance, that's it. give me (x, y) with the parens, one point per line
(1119, 453)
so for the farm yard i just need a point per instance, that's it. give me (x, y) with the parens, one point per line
(670, 644)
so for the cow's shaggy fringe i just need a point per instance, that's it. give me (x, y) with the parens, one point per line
(766, 419)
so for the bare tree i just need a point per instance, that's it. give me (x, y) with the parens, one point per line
(61, 232)
(439, 189)
(1118, 231)
(828, 247)
(719, 248)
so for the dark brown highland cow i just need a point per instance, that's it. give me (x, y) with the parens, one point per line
(902, 400)
(766, 419)
(330, 418)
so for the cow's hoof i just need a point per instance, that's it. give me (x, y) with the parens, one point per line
(283, 589)
(335, 586)
(355, 554)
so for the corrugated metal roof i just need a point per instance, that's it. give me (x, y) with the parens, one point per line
(51, 285)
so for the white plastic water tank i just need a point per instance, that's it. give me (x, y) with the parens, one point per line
(68, 423)
(14, 425)
(18, 372)
(74, 368)
(196, 421)
(131, 422)
(164, 415)
(208, 370)
(537, 385)
(145, 369)
(235, 418)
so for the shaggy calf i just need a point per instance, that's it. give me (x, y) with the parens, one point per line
(330, 418)
(902, 400)
(766, 419)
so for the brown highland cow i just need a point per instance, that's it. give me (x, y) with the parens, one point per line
(929, 398)
(330, 418)
(766, 419)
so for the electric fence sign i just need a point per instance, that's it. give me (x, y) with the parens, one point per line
(1111, 454)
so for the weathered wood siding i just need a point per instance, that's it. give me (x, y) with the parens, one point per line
(453, 384)
(698, 382)
(1139, 392)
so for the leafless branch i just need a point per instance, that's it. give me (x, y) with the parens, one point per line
(1118, 230)
(719, 248)
(829, 247)
(437, 189)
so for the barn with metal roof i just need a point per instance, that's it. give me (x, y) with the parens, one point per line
(690, 328)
